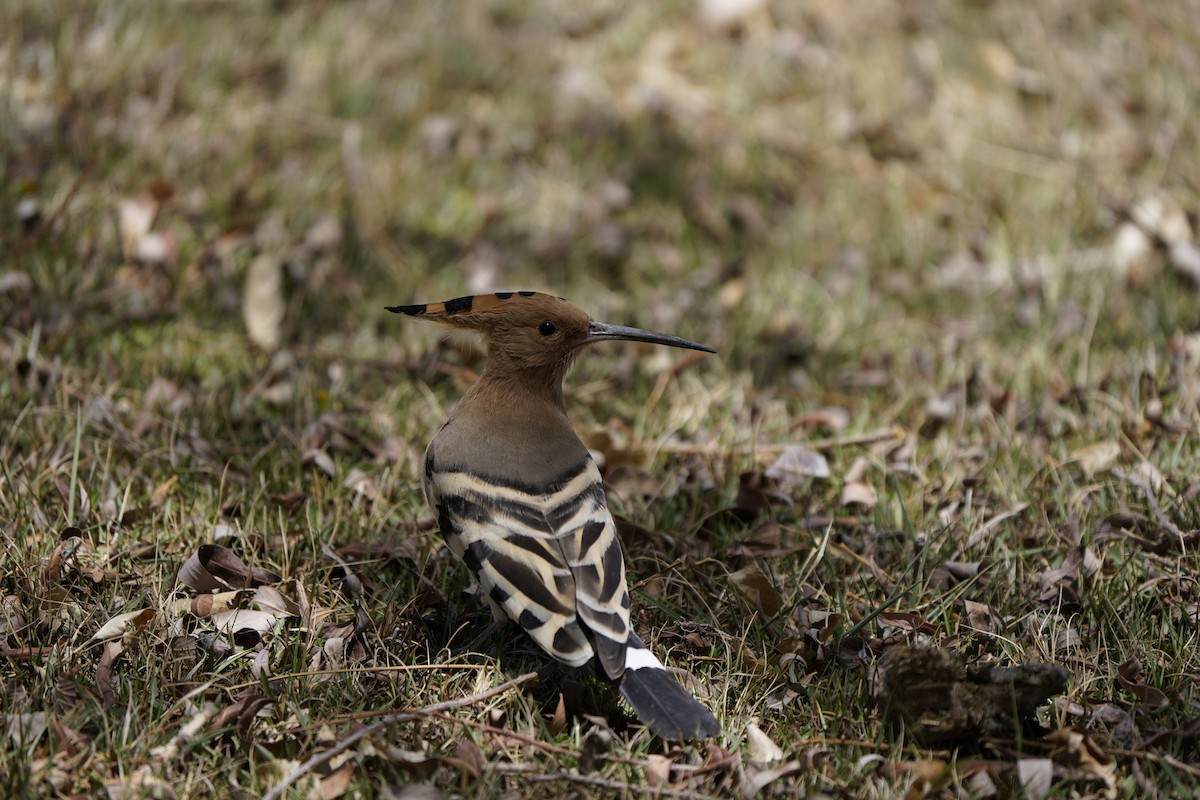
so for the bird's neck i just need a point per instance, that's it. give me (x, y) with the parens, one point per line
(505, 389)
(512, 428)
(515, 401)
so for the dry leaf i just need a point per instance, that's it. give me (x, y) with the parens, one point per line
(320, 459)
(142, 783)
(658, 771)
(1096, 458)
(262, 301)
(24, 730)
(927, 777)
(469, 758)
(245, 619)
(227, 569)
(1062, 584)
(120, 624)
(186, 735)
(208, 604)
(630, 481)
(1089, 756)
(758, 779)
(12, 617)
(362, 484)
(858, 470)
(756, 492)
(558, 721)
(135, 216)
(412, 791)
(335, 784)
(268, 598)
(112, 651)
(795, 464)
(194, 576)
(1035, 775)
(833, 418)
(1129, 675)
(1184, 257)
(761, 749)
(726, 13)
(753, 584)
(15, 283)
(342, 571)
(981, 618)
(858, 494)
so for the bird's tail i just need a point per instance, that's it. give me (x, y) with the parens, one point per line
(659, 701)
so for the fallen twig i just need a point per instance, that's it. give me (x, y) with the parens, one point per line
(608, 783)
(391, 719)
(770, 450)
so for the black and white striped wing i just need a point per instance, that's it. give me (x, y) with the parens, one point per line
(547, 556)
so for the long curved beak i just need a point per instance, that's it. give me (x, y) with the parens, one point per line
(600, 331)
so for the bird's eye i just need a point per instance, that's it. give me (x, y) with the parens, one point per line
(547, 328)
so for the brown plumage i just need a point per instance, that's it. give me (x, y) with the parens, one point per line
(521, 502)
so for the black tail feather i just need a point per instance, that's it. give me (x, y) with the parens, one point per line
(663, 705)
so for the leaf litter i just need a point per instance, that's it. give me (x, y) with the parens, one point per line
(1044, 395)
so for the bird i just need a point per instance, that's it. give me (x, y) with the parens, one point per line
(519, 499)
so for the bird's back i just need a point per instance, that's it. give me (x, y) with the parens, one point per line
(522, 504)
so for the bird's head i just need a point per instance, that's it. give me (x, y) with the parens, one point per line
(533, 331)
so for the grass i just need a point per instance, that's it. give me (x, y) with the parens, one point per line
(883, 217)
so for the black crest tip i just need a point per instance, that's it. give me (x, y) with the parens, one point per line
(412, 311)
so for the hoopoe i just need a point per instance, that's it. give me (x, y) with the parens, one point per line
(520, 501)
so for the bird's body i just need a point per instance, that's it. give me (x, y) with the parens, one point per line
(520, 501)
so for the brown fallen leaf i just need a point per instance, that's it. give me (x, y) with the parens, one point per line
(907, 621)
(1096, 458)
(833, 418)
(112, 651)
(208, 604)
(757, 493)
(558, 720)
(632, 481)
(61, 561)
(218, 567)
(140, 783)
(161, 492)
(926, 778)
(1079, 750)
(753, 584)
(951, 573)
(982, 619)
(1129, 675)
(1063, 583)
(758, 779)
(468, 758)
(24, 730)
(362, 485)
(335, 784)
(121, 624)
(342, 571)
(658, 771)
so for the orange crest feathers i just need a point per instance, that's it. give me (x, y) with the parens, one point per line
(467, 312)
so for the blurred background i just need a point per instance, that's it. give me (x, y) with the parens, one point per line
(812, 186)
